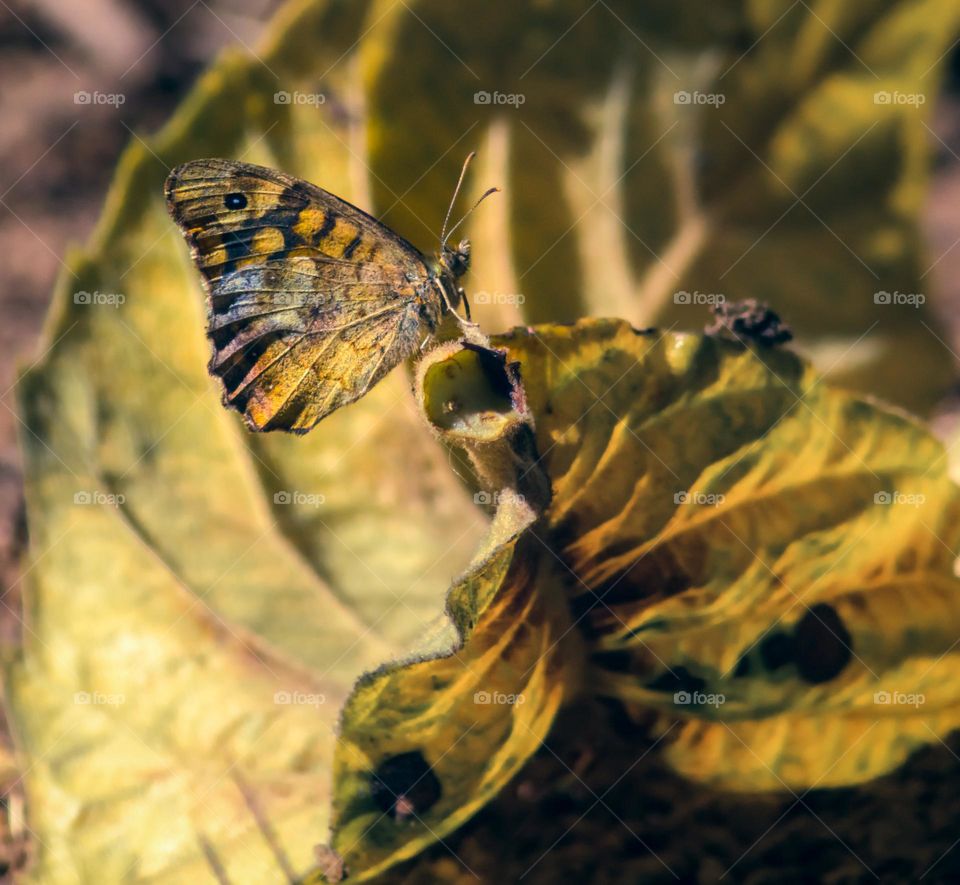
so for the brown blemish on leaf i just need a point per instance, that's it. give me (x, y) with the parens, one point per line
(824, 645)
(405, 785)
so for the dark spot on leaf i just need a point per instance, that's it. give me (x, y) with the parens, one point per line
(777, 650)
(405, 785)
(616, 661)
(235, 201)
(677, 679)
(743, 668)
(823, 644)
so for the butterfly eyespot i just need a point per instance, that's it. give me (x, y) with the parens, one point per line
(235, 201)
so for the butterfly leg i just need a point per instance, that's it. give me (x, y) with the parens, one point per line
(468, 322)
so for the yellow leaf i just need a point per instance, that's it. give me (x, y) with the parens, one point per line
(758, 555)
(427, 742)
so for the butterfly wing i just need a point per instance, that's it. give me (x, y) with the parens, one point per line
(311, 301)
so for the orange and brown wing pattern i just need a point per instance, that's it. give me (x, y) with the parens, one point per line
(311, 301)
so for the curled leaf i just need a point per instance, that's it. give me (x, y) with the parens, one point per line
(427, 741)
(761, 557)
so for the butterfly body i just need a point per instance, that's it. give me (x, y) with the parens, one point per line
(310, 300)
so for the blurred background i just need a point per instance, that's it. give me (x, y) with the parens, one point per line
(655, 161)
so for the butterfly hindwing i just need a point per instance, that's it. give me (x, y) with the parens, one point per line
(288, 365)
(310, 300)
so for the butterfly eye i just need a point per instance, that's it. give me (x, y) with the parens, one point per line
(235, 201)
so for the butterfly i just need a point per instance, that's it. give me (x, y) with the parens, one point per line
(311, 301)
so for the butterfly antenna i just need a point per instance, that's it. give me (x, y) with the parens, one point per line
(492, 190)
(453, 199)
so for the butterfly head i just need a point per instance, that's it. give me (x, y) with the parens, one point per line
(455, 260)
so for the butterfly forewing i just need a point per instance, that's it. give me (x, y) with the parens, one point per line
(311, 301)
